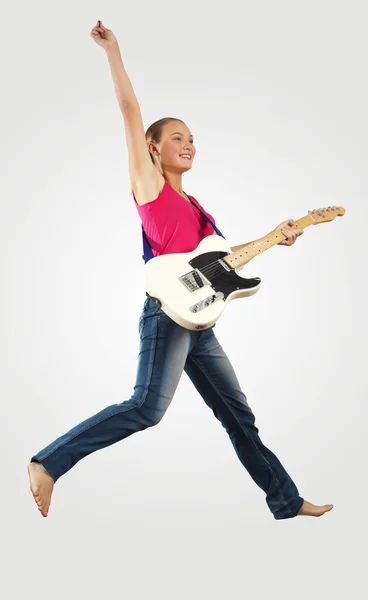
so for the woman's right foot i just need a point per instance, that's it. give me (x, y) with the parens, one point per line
(42, 485)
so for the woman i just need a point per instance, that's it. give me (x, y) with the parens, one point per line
(173, 223)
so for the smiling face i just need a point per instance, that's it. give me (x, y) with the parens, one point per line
(176, 141)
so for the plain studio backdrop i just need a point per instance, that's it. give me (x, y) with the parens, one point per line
(275, 95)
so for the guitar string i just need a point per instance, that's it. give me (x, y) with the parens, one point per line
(212, 266)
(209, 269)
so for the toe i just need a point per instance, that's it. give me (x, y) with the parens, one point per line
(43, 511)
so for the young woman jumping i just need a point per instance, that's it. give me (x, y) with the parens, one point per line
(173, 222)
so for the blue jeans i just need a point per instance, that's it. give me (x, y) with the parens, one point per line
(166, 349)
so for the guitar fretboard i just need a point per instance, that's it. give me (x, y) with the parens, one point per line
(239, 258)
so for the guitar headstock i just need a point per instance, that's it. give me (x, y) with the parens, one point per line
(324, 215)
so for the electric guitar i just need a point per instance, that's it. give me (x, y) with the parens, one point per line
(193, 288)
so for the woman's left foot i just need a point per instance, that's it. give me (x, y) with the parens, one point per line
(42, 485)
(311, 510)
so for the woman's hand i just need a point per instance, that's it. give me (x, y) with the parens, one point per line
(103, 37)
(291, 230)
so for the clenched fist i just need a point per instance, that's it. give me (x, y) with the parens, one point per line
(103, 37)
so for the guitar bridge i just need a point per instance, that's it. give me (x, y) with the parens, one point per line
(194, 280)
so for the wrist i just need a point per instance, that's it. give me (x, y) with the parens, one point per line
(112, 48)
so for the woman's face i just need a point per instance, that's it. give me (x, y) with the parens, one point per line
(176, 141)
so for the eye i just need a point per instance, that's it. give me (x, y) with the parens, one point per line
(178, 138)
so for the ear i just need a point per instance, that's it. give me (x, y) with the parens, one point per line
(152, 149)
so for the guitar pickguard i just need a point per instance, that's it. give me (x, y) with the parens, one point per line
(209, 270)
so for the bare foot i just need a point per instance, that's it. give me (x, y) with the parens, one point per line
(311, 510)
(41, 484)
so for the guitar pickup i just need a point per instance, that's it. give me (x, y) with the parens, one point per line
(194, 280)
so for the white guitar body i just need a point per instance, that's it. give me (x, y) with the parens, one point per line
(193, 288)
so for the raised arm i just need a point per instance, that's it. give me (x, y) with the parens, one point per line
(141, 168)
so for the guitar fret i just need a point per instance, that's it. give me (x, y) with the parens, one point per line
(242, 256)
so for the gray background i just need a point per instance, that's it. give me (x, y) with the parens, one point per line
(275, 95)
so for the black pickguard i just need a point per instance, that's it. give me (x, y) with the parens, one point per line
(221, 280)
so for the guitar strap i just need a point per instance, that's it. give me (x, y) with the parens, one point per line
(147, 250)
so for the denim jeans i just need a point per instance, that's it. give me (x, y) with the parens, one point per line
(166, 349)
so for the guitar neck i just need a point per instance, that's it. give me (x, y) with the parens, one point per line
(239, 258)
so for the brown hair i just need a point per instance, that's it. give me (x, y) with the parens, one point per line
(154, 134)
(154, 131)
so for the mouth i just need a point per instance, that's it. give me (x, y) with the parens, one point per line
(185, 156)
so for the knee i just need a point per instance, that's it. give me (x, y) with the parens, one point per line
(152, 409)
(153, 420)
(152, 417)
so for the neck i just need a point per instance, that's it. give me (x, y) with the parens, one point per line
(175, 181)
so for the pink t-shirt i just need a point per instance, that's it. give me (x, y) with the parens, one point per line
(172, 224)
